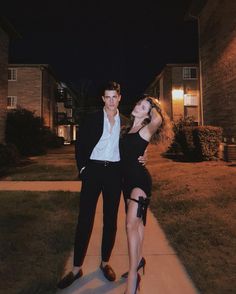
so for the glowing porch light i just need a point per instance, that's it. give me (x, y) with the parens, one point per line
(177, 94)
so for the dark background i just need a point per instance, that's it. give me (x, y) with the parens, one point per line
(87, 43)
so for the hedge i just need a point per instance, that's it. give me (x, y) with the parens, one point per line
(9, 156)
(200, 142)
(27, 132)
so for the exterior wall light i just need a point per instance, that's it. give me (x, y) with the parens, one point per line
(177, 94)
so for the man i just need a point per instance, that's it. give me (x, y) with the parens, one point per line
(98, 161)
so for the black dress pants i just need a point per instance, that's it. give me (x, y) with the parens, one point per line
(96, 178)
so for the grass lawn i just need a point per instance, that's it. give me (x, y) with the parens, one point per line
(37, 233)
(43, 172)
(57, 165)
(195, 203)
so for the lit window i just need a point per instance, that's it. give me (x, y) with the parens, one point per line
(11, 102)
(190, 100)
(12, 74)
(189, 73)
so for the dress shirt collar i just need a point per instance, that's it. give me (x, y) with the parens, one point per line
(116, 116)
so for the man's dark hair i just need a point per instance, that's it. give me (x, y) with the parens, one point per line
(112, 86)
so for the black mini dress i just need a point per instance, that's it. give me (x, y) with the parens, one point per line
(134, 174)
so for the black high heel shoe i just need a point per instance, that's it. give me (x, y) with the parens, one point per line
(141, 264)
(137, 287)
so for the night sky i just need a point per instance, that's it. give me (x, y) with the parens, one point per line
(89, 42)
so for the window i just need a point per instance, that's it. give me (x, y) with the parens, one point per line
(61, 116)
(12, 74)
(190, 100)
(69, 112)
(189, 73)
(11, 102)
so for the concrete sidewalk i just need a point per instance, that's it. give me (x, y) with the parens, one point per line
(164, 273)
(73, 186)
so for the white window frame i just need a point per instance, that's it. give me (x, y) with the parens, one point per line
(187, 73)
(13, 74)
(13, 102)
(190, 100)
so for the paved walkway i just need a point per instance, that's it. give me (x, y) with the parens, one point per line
(73, 186)
(164, 272)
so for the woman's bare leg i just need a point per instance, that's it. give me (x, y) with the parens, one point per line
(135, 232)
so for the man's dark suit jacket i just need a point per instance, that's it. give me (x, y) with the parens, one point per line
(88, 135)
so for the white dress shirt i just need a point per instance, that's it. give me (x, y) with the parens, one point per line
(107, 147)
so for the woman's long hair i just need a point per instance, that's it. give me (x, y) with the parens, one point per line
(164, 135)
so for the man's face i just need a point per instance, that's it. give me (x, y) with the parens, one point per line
(111, 99)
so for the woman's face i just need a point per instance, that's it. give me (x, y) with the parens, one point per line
(141, 109)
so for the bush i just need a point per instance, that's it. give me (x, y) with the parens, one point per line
(201, 142)
(24, 130)
(187, 141)
(179, 139)
(197, 142)
(50, 139)
(9, 155)
(207, 141)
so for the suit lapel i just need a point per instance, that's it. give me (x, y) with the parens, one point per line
(99, 124)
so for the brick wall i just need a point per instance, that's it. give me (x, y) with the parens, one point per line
(171, 78)
(35, 89)
(27, 88)
(189, 87)
(4, 43)
(49, 102)
(177, 83)
(167, 92)
(217, 23)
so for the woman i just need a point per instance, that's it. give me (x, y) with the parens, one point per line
(149, 124)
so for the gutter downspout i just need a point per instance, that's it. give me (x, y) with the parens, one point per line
(200, 71)
(200, 75)
(41, 94)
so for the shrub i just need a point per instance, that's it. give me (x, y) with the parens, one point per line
(179, 139)
(197, 142)
(207, 141)
(24, 130)
(9, 155)
(50, 139)
(201, 142)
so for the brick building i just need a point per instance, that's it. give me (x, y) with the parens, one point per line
(67, 112)
(217, 55)
(34, 87)
(177, 88)
(6, 32)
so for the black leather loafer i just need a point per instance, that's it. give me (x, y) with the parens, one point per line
(69, 279)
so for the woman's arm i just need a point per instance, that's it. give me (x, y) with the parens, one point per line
(156, 121)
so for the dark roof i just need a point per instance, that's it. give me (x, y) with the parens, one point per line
(8, 28)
